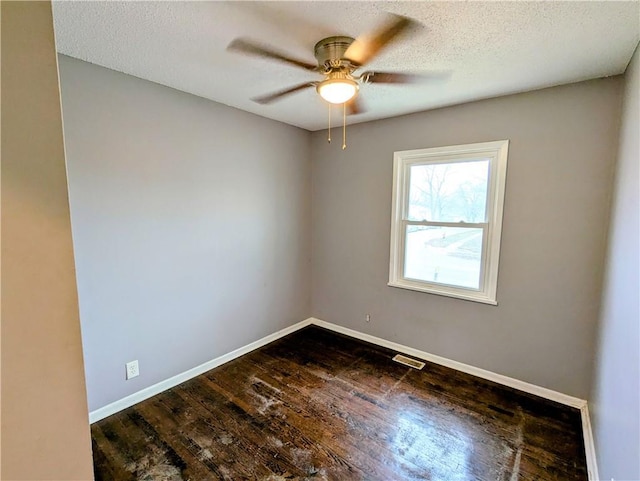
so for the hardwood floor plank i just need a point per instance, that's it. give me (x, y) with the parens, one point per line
(179, 435)
(331, 422)
(281, 422)
(317, 405)
(108, 463)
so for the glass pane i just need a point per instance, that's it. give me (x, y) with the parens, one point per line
(444, 255)
(450, 192)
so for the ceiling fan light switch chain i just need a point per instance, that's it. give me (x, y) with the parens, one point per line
(329, 130)
(344, 126)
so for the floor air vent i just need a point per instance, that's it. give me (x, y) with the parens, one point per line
(407, 361)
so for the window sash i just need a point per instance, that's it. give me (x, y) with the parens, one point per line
(483, 256)
(406, 178)
(477, 225)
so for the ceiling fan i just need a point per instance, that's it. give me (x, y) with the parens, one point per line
(339, 58)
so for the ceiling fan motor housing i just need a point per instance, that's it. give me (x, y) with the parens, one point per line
(330, 51)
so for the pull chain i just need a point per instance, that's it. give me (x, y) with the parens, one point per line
(344, 125)
(329, 132)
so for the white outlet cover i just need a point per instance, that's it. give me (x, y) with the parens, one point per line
(133, 369)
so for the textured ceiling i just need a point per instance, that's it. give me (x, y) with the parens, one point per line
(474, 50)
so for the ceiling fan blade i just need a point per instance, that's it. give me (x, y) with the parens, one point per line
(355, 106)
(267, 99)
(248, 47)
(392, 77)
(367, 46)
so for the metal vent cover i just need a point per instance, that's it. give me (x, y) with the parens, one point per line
(407, 361)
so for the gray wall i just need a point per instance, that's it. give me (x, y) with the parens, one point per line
(561, 155)
(191, 226)
(615, 402)
(45, 424)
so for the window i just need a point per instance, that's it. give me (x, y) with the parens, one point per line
(447, 218)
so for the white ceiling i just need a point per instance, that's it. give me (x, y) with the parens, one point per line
(475, 49)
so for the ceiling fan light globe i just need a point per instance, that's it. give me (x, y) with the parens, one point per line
(337, 91)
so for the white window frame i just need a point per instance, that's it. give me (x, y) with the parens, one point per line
(496, 152)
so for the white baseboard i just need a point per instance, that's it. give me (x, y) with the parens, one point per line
(458, 366)
(589, 445)
(542, 392)
(150, 391)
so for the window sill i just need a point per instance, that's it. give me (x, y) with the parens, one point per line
(474, 297)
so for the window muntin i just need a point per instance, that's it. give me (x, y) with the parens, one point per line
(446, 220)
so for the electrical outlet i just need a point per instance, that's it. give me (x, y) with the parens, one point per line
(133, 369)
(367, 318)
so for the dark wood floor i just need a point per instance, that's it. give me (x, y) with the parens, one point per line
(316, 405)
